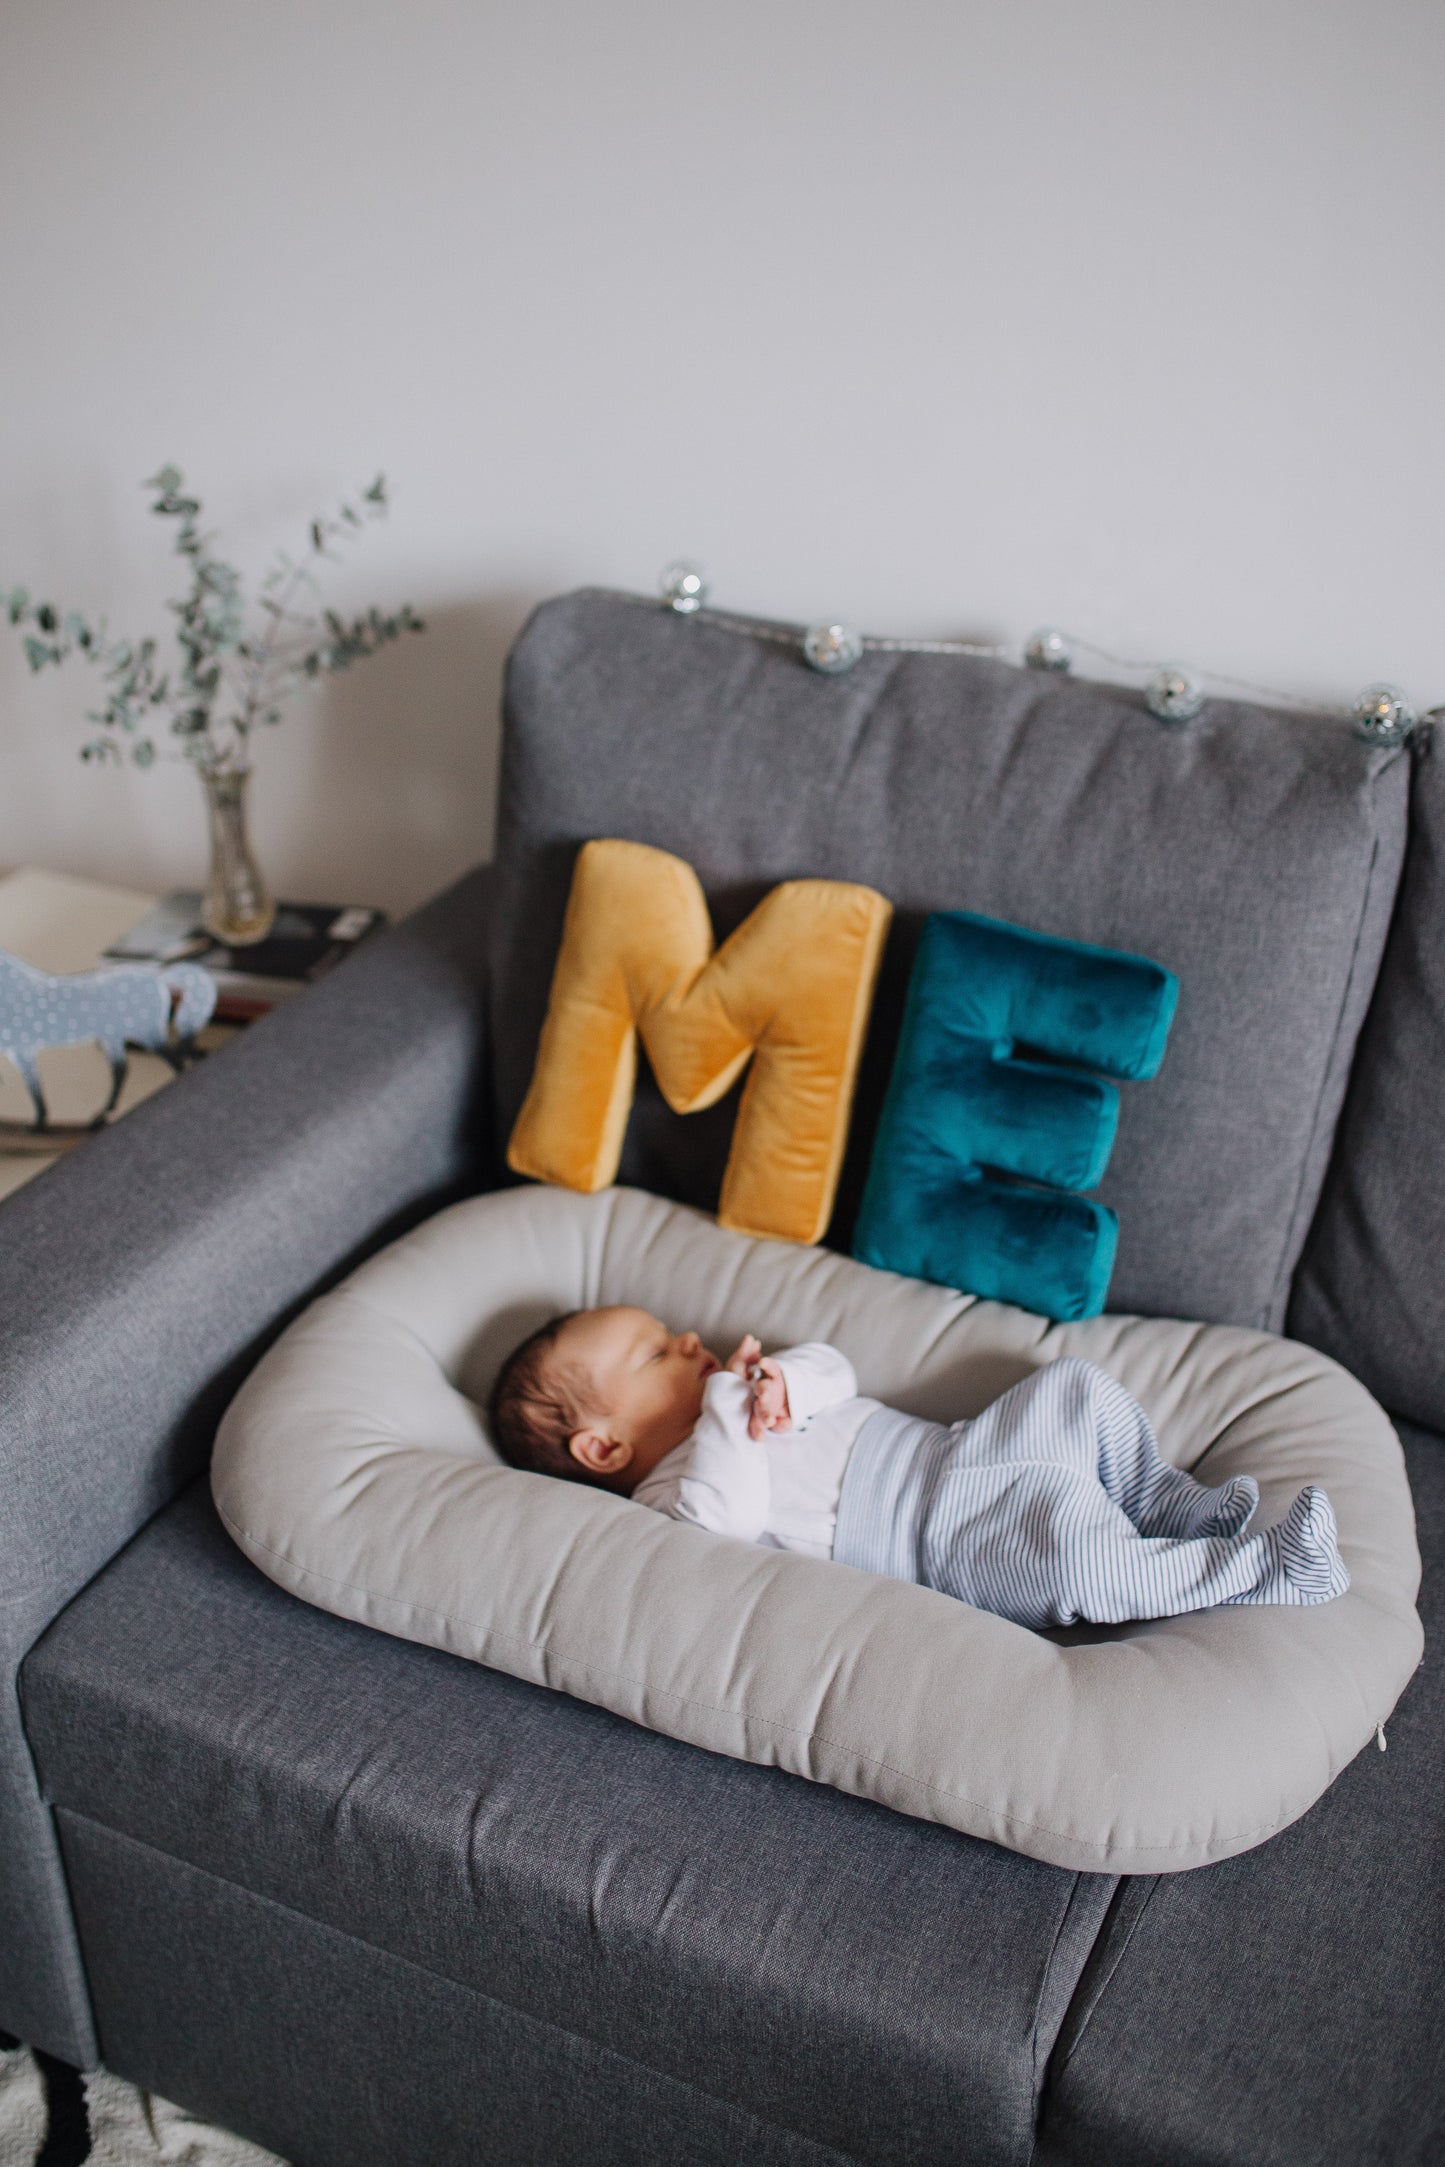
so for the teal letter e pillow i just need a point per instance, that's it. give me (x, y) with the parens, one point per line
(982, 1150)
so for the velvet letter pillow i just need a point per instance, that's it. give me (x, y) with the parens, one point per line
(790, 991)
(982, 1149)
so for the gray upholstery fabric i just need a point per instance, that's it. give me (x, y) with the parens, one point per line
(1255, 853)
(1288, 2006)
(816, 1961)
(1371, 1289)
(334, 2054)
(139, 1277)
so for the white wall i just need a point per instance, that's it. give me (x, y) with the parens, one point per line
(1123, 314)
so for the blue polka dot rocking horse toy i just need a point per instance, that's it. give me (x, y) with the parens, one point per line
(133, 1005)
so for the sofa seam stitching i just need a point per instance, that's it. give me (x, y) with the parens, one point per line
(1109, 1971)
(1038, 2072)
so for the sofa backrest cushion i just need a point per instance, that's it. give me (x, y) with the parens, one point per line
(1254, 853)
(1371, 1288)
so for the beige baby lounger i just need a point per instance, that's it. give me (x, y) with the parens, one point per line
(354, 1468)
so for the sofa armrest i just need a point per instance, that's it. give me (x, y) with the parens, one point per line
(142, 1276)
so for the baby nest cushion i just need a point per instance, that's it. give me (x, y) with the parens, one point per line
(354, 1468)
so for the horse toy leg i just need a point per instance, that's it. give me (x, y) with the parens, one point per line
(24, 1059)
(180, 1055)
(193, 1000)
(119, 1059)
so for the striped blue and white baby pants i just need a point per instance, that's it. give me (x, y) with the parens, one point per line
(1054, 1507)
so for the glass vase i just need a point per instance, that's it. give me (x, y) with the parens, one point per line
(238, 910)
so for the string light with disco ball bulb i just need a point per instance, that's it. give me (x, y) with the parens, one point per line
(1382, 715)
(831, 649)
(1173, 694)
(1050, 649)
(683, 587)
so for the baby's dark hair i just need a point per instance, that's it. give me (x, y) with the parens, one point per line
(536, 1405)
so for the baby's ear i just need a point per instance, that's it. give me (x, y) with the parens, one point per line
(598, 1454)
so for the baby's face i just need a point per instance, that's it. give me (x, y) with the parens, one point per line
(643, 1383)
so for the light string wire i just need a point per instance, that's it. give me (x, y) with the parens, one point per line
(1271, 693)
(794, 635)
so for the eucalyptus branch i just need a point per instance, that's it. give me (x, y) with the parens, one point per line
(289, 576)
(225, 682)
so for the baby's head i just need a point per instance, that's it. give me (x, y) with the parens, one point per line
(600, 1395)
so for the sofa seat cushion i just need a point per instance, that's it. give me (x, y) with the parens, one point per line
(829, 1966)
(1254, 853)
(1287, 2007)
(353, 1468)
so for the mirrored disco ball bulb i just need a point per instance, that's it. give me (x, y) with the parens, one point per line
(1049, 650)
(1383, 715)
(683, 588)
(831, 648)
(1174, 695)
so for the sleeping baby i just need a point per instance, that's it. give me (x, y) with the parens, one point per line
(1052, 1507)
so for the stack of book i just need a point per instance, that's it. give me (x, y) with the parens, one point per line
(306, 941)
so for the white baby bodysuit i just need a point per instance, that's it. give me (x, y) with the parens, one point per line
(1051, 1506)
(781, 1489)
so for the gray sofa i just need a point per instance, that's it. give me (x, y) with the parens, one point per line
(366, 1903)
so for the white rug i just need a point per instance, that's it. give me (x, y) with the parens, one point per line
(22, 2108)
(128, 2128)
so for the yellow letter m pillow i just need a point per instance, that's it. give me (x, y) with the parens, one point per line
(790, 989)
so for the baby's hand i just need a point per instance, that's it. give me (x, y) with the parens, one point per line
(770, 1400)
(770, 1410)
(744, 1355)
